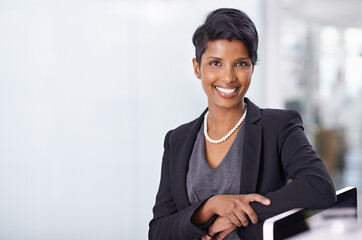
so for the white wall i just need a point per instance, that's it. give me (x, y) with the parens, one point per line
(88, 90)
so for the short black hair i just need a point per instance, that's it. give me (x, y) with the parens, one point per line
(227, 23)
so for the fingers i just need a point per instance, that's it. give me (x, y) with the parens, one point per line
(250, 211)
(237, 208)
(242, 218)
(237, 214)
(251, 214)
(206, 238)
(211, 232)
(220, 228)
(258, 198)
(219, 225)
(218, 237)
(246, 209)
(234, 218)
(223, 234)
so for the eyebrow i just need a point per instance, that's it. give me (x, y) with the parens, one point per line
(238, 59)
(243, 58)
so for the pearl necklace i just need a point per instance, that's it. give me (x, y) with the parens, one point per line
(228, 134)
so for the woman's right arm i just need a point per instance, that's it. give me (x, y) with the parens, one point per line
(232, 210)
(169, 222)
(236, 208)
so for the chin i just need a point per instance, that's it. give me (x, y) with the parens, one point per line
(228, 106)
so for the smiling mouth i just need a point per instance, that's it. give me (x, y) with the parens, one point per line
(226, 90)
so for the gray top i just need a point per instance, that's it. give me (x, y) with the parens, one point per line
(203, 182)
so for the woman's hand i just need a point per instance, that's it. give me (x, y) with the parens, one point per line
(236, 208)
(220, 228)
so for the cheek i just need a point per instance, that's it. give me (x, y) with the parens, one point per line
(245, 80)
(245, 76)
(207, 80)
(207, 86)
(208, 77)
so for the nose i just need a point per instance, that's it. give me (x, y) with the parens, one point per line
(227, 74)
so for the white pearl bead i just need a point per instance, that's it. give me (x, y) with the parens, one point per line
(228, 134)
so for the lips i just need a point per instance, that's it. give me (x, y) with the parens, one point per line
(226, 91)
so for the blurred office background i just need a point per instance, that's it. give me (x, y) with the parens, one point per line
(88, 89)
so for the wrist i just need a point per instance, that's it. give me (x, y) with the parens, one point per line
(212, 204)
(203, 213)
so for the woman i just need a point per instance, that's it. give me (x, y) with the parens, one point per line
(227, 171)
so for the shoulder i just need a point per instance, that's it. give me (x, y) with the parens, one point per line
(183, 131)
(187, 126)
(280, 122)
(274, 121)
(270, 117)
(279, 116)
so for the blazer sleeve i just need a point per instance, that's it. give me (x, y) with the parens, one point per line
(169, 222)
(310, 186)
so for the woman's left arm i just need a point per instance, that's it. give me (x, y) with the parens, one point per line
(219, 229)
(311, 185)
(170, 222)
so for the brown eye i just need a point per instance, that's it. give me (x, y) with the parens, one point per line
(242, 64)
(215, 63)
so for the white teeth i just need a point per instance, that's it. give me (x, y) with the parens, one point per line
(226, 90)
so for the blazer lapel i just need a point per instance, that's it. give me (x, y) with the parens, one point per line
(182, 155)
(251, 150)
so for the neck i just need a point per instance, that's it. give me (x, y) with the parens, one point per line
(221, 120)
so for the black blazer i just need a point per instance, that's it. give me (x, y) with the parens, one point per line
(275, 150)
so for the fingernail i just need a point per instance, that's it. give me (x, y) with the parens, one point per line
(267, 201)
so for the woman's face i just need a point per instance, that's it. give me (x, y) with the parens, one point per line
(225, 72)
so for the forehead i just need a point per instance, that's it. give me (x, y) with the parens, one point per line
(226, 48)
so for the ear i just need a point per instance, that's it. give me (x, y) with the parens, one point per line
(196, 68)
